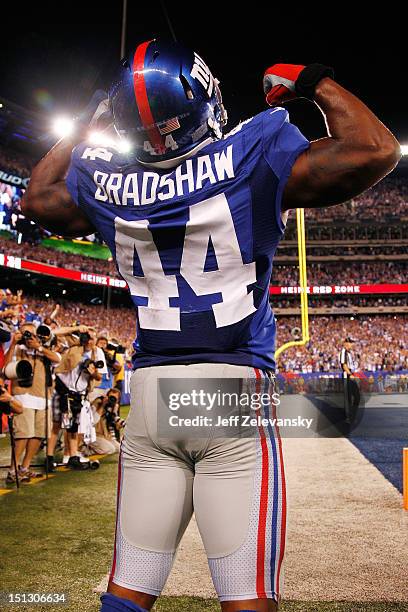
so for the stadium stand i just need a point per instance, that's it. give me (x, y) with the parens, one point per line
(379, 338)
(380, 343)
(349, 272)
(361, 242)
(57, 258)
(15, 162)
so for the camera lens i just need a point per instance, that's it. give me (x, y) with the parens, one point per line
(43, 331)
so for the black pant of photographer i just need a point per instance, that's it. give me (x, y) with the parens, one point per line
(12, 446)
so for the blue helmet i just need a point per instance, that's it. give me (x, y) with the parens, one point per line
(165, 101)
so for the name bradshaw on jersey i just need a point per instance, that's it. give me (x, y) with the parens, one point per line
(195, 243)
(139, 189)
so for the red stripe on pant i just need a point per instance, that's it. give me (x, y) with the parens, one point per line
(283, 493)
(263, 511)
(142, 100)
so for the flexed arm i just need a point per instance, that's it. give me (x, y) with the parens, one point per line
(47, 200)
(358, 151)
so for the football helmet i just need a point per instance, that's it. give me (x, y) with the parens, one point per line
(165, 101)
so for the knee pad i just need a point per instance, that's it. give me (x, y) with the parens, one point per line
(113, 603)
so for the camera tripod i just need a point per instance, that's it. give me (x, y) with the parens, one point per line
(13, 448)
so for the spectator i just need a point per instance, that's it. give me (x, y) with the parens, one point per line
(110, 364)
(9, 406)
(108, 423)
(79, 371)
(30, 426)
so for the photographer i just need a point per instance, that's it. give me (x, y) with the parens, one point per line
(9, 406)
(121, 359)
(112, 365)
(79, 371)
(34, 393)
(107, 423)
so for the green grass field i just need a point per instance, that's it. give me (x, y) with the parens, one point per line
(57, 536)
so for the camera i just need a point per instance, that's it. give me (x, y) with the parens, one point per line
(110, 360)
(45, 336)
(83, 337)
(87, 362)
(21, 370)
(112, 401)
(113, 420)
(26, 335)
(116, 348)
(5, 407)
(113, 349)
(5, 333)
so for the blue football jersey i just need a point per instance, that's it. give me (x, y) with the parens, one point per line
(195, 243)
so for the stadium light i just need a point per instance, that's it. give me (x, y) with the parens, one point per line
(124, 146)
(103, 140)
(404, 149)
(63, 126)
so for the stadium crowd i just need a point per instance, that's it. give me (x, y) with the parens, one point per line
(76, 375)
(386, 200)
(119, 322)
(345, 272)
(341, 252)
(78, 353)
(15, 163)
(394, 229)
(379, 342)
(384, 333)
(54, 257)
(350, 302)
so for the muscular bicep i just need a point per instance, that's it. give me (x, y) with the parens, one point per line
(358, 152)
(329, 173)
(53, 208)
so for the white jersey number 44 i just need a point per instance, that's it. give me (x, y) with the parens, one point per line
(209, 218)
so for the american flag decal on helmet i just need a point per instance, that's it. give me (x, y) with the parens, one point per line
(169, 126)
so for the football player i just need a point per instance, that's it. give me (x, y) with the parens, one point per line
(193, 219)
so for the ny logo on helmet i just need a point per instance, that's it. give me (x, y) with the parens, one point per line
(201, 72)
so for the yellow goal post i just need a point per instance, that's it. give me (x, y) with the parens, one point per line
(304, 305)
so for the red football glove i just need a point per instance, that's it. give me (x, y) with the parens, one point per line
(279, 83)
(284, 82)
